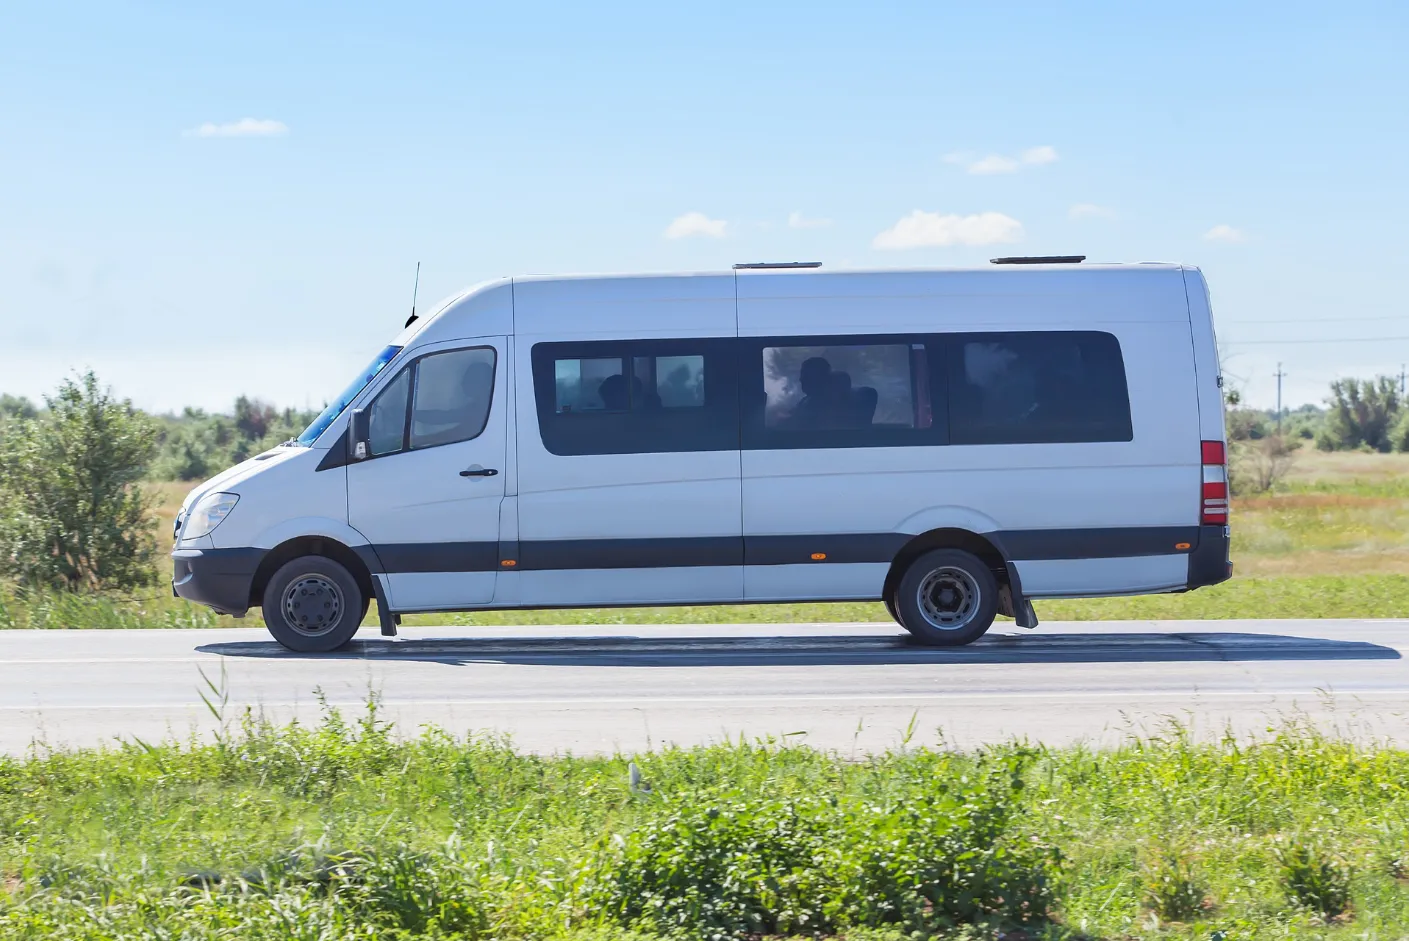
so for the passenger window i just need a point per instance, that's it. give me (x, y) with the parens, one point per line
(670, 381)
(636, 396)
(847, 387)
(581, 384)
(387, 422)
(1035, 387)
(453, 393)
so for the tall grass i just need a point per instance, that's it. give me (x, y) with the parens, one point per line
(35, 609)
(344, 829)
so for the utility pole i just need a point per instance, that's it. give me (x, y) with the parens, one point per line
(1280, 376)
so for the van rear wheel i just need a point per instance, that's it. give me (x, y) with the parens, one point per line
(313, 605)
(947, 598)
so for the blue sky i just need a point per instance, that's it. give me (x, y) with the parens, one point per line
(201, 200)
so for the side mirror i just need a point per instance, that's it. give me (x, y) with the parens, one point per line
(360, 431)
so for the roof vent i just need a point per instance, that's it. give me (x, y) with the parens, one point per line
(1039, 260)
(757, 265)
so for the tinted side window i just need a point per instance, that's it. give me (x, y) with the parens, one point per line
(1052, 386)
(636, 396)
(843, 392)
(387, 422)
(453, 393)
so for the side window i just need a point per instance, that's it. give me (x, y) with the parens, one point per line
(387, 421)
(854, 386)
(445, 396)
(1036, 387)
(587, 385)
(453, 393)
(844, 392)
(636, 396)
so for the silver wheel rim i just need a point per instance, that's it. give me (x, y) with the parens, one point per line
(313, 605)
(949, 598)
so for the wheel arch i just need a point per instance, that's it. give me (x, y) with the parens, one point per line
(953, 538)
(299, 546)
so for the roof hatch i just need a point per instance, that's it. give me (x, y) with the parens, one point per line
(1036, 260)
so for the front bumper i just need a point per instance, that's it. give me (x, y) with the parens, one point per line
(1211, 561)
(216, 578)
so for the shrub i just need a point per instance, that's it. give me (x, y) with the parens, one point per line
(1314, 878)
(72, 512)
(730, 867)
(1172, 890)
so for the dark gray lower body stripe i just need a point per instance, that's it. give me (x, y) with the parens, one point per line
(406, 557)
(1113, 543)
(693, 551)
(850, 547)
(688, 551)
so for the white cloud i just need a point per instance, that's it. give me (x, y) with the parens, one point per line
(994, 163)
(1225, 233)
(797, 220)
(923, 229)
(695, 223)
(1040, 156)
(1090, 211)
(1001, 163)
(245, 127)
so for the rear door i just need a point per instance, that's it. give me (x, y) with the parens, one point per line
(428, 496)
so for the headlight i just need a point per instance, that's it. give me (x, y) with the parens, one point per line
(209, 512)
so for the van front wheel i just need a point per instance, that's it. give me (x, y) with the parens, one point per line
(313, 605)
(947, 598)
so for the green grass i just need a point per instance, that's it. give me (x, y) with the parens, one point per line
(345, 830)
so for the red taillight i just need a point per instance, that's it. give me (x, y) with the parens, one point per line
(1213, 509)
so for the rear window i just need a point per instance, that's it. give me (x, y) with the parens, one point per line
(1037, 387)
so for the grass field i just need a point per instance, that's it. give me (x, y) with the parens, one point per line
(347, 831)
(1332, 541)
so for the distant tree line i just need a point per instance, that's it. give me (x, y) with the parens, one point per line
(197, 444)
(1358, 415)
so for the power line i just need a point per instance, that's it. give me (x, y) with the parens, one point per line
(1235, 323)
(1322, 340)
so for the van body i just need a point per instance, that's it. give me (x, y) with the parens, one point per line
(953, 442)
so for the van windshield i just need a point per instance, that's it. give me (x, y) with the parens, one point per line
(335, 408)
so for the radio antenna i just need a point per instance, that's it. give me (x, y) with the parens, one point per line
(415, 289)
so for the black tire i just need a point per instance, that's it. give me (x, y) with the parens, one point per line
(313, 605)
(947, 598)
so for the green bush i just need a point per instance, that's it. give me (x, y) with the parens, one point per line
(72, 512)
(1314, 878)
(729, 866)
(1171, 886)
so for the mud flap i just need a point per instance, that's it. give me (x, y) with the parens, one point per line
(385, 616)
(1022, 612)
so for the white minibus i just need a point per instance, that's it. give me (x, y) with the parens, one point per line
(954, 443)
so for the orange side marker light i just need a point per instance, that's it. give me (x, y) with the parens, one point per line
(818, 556)
(1181, 545)
(508, 563)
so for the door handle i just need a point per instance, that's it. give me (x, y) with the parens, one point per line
(478, 471)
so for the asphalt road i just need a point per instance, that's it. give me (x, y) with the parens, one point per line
(852, 687)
